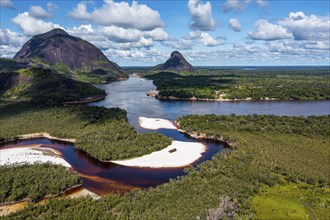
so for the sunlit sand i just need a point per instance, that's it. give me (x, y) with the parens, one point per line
(155, 123)
(23, 155)
(178, 154)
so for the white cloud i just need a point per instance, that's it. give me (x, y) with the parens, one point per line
(282, 52)
(113, 37)
(52, 6)
(39, 12)
(80, 12)
(144, 42)
(317, 45)
(139, 57)
(7, 4)
(236, 5)
(298, 47)
(263, 30)
(157, 34)
(208, 40)
(262, 3)
(122, 14)
(122, 35)
(234, 24)
(11, 42)
(201, 13)
(82, 29)
(240, 5)
(307, 27)
(179, 44)
(32, 26)
(204, 38)
(8, 37)
(193, 38)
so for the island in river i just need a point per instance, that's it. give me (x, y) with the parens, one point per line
(243, 85)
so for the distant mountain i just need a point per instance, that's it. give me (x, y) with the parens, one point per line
(176, 63)
(70, 55)
(45, 87)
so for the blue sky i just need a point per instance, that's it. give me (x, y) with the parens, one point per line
(207, 33)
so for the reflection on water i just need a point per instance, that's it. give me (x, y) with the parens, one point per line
(131, 95)
(105, 177)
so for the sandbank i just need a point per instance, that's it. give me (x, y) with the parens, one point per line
(155, 123)
(45, 135)
(23, 155)
(178, 154)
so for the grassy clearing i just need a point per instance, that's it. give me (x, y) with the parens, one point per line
(291, 201)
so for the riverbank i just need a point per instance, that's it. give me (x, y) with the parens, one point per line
(178, 154)
(30, 155)
(173, 98)
(204, 136)
(45, 135)
(71, 193)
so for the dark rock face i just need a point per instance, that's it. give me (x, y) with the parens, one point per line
(176, 63)
(58, 47)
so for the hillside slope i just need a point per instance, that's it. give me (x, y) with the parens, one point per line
(71, 55)
(176, 63)
(44, 86)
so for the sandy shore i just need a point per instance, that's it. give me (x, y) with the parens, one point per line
(82, 193)
(23, 155)
(213, 100)
(9, 208)
(155, 123)
(45, 135)
(16, 206)
(178, 154)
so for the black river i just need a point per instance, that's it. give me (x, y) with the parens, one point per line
(105, 177)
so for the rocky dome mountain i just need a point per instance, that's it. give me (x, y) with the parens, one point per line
(175, 63)
(67, 53)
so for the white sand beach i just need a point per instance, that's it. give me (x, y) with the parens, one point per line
(83, 193)
(185, 153)
(155, 123)
(23, 155)
(45, 135)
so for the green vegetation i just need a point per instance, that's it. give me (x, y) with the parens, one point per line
(34, 181)
(238, 84)
(9, 65)
(275, 158)
(292, 201)
(91, 77)
(43, 87)
(103, 133)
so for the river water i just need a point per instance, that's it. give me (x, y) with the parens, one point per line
(105, 177)
(131, 96)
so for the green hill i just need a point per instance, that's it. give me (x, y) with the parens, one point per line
(44, 87)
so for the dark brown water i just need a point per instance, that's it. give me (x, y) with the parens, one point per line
(105, 177)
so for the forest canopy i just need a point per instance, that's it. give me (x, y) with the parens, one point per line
(310, 84)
